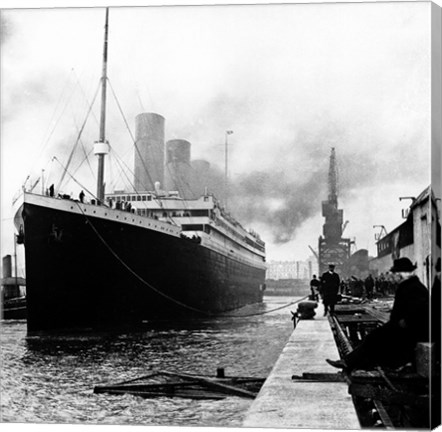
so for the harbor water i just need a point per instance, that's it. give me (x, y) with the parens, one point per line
(52, 380)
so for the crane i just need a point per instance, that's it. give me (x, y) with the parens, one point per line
(314, 252)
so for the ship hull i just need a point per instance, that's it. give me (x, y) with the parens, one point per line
(85, 272)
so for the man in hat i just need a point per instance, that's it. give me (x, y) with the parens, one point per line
(330, 288)
(393, 344)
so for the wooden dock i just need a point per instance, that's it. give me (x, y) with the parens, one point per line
(284, 402)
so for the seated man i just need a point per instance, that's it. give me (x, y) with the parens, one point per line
(393, 344)
(314, 288)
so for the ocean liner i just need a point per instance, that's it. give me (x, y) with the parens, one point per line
(123, 258)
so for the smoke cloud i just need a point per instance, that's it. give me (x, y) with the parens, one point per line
(280, 203)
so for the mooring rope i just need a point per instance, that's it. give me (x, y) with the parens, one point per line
(159, 292)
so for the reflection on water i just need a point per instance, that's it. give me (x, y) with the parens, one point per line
(52, 381)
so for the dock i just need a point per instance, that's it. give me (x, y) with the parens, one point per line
(302, 404)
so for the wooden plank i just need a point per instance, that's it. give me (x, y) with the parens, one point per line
(140, 387)
(227, 388)
(190, 395)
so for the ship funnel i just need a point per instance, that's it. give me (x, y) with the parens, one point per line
(149, 151)
(178, 167)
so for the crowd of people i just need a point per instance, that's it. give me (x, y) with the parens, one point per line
(384, 285)
(378, 286)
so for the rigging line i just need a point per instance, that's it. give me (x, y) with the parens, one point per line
(116, 179)
(130, 133)
(117, 159)
(45, 141)
(85, 96)
(86, 158)
(265, 312)
(81, 163)
(79, 136)
(165, 295)
(175, 179)
(76, 181)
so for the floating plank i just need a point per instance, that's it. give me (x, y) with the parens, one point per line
(227, 388)
(172, 384)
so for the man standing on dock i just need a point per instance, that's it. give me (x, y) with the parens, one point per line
(394, 343)
(330, 289)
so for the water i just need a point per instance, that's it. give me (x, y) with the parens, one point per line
(52, 381)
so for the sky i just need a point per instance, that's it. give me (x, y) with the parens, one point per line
(291, 82)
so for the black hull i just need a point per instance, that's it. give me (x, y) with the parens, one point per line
(91, 273)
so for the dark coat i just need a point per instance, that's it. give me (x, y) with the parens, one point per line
(369, 284)
(330, 287)
(412, 304)
(392, 344)
(436, 322)
(314, 283)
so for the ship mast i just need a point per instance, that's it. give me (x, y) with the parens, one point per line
(101, 147)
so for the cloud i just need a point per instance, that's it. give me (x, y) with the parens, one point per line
(6, 29)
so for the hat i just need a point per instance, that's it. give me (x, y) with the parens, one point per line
(331, 266)
(402, 265)
(438, 265)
